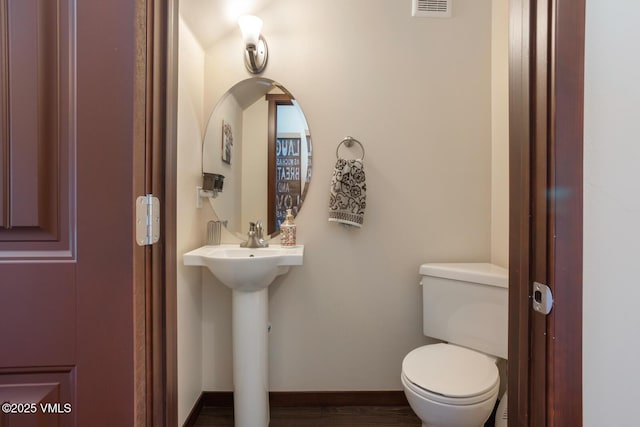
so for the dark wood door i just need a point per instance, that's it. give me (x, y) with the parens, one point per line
(546, 118)
(69, 174)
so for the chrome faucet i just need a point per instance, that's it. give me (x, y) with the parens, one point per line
(254, 236)
(259, 230)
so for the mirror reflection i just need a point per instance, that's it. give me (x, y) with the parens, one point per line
(258, 138)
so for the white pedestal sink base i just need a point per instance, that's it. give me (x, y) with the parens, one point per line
(250, 358)
(248, 272)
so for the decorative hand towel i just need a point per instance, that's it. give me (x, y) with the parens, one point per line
(347, 198)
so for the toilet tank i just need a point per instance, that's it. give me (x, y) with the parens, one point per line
(467, 304)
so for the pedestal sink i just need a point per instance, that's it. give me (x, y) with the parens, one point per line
(248, 272)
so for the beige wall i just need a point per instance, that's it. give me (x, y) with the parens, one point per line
(611, 215)
(417, 93)
(190, 229)
(500, 133)
(255, 170)
(229, 200)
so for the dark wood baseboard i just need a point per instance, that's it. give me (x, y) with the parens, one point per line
(195, 412)
(303, 398)
(337, 398)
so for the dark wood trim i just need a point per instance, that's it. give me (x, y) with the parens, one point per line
(519, 199)
(222, 399)
(160, 173)
(140, 259)
(564, 340)
(170, 391)
(5, 164)
(156, 118)
(281, 399)
(196, 410)
(155, 298)
(279, 98)
(540, 261)
(337, 398)
(314, 398)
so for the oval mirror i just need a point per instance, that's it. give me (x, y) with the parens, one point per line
(258, 138)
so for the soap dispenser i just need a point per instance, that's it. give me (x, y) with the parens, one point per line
(288, 231)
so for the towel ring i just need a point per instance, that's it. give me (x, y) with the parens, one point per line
(348, 142)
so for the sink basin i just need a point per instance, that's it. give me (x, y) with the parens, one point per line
(245, 269)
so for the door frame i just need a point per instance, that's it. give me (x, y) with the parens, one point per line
(160, 133)
(170, 327)
(546, 61)
(274, 100)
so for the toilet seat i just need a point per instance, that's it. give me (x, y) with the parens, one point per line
(450, 374)
(449, 401)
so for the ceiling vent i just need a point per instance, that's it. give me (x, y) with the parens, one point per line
(432, 8)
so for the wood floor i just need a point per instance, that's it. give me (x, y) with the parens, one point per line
(326, 416)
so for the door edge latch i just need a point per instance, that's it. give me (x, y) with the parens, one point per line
(542, 298)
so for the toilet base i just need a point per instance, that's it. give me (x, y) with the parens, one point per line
(445, 425)
(501, 412)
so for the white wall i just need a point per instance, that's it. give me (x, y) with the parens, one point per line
(190, 228)
(611, 350)
(417, 93)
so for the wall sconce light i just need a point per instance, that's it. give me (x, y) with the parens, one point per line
(255, 52)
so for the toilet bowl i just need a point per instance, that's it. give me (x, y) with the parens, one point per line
(456, 384)
(450, 386)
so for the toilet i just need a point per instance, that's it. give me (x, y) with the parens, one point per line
(456, 383)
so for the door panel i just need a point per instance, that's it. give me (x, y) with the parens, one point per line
(34, 142)
(37, 308)
(69, 158)
(37, 280)
(33, 102)
(41, 393)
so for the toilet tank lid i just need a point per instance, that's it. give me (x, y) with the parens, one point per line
(484, 273)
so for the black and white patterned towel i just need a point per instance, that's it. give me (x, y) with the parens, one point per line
(347, 198)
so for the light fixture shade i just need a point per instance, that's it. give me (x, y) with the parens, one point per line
(256, 52)
(250, 26)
